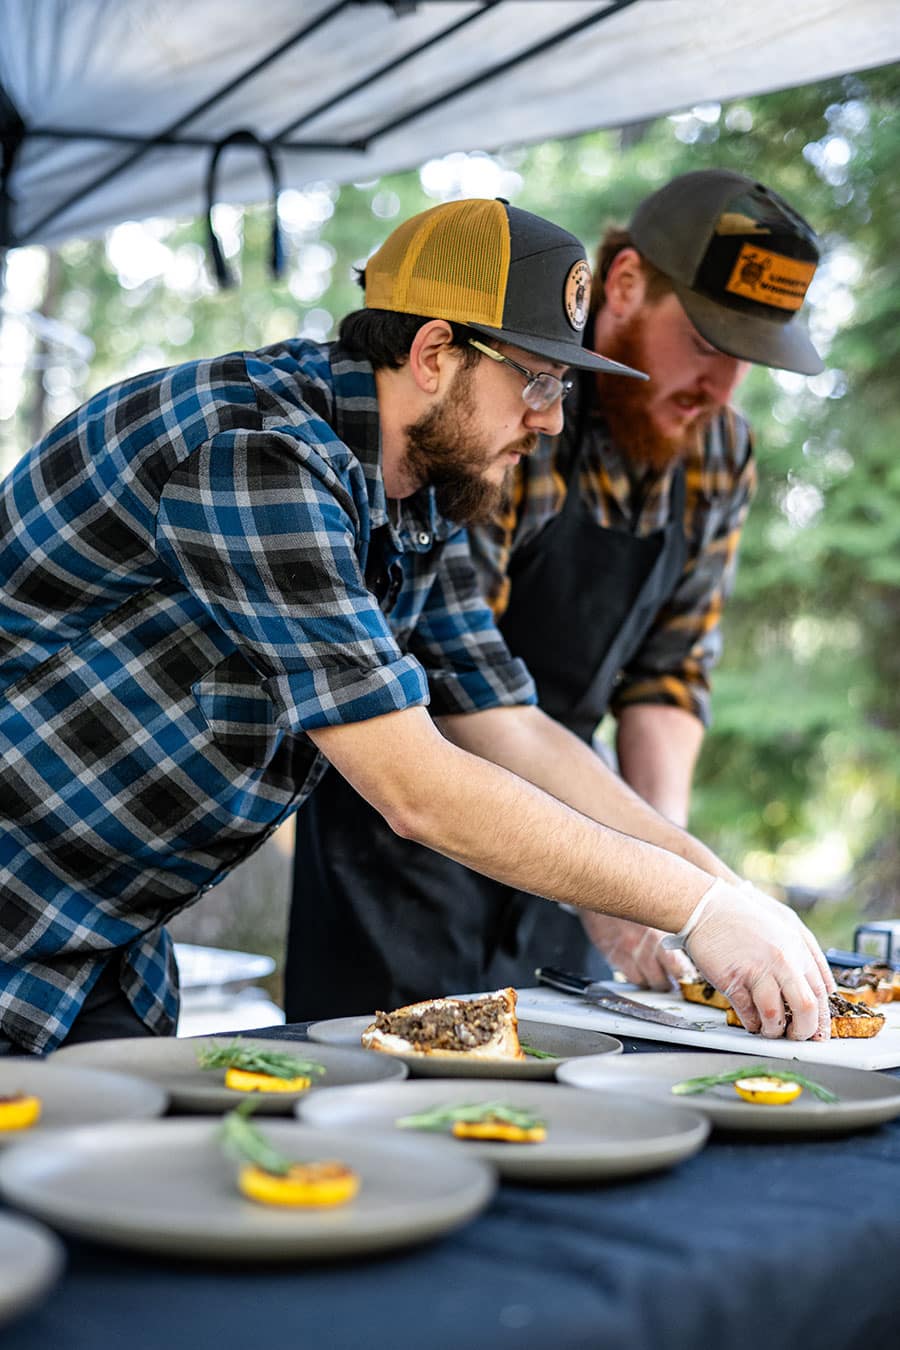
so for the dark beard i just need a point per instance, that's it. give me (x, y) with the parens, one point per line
(624, 404)
(443, 452)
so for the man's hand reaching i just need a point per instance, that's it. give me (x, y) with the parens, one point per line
(762, 957)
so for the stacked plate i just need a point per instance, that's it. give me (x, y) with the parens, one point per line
(863, 1098)
(547, 1047)
(72, 1096)
(165, 1186)
(172, 1065)
(588, 1138)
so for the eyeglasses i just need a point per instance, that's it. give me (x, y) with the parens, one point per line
(541, 390)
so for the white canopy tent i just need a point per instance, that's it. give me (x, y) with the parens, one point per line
(113, 109)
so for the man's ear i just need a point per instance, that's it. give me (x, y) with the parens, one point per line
(433, 357)
(626, 285)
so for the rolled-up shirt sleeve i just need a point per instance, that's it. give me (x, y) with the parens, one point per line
(468, 664)
(268, 537)
(674, 663)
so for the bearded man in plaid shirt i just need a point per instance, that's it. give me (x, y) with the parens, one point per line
(217, 578)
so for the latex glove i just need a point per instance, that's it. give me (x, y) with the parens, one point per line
(636, 950)
(761, 956)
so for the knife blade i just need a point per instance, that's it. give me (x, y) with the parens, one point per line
(597, 993)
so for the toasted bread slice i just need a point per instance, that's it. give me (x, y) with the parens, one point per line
(450, 1028)
(699, 990)
(872, 983)
(857, 1026)
(847, 1019)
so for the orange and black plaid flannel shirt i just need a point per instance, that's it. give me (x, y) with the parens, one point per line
(674, 662)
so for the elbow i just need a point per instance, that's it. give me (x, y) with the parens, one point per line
(404, 825)
(408, 820)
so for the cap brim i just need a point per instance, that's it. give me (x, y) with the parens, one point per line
(561, 353)
(786, 346)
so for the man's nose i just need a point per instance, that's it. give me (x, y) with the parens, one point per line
(548, 420)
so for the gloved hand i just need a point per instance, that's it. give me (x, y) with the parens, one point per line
(635, 950)
(761, 956)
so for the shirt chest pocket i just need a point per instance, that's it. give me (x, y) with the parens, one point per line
(238, 712)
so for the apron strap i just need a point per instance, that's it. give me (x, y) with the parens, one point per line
(601, 677)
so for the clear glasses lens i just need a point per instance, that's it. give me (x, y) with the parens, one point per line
(541, 392)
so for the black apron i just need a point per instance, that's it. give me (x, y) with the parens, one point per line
(378, 921)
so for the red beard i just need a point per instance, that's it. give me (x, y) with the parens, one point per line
(625, 406)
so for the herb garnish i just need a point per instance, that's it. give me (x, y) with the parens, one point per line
(533, 1053)
(246, 1143)
(441, 1117)
(255, 1059)
(707, 1081)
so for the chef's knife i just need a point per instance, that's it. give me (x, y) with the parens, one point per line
(607, 998)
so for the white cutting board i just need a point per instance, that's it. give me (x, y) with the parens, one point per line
(548, 1005)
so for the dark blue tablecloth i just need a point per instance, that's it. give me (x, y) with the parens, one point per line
(751, 1245)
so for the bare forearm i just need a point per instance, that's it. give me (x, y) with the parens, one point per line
(657, 748)
(476, 812)
(532, 745)
(492, 820)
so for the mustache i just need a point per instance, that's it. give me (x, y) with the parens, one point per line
(704, 402)
(525, 445)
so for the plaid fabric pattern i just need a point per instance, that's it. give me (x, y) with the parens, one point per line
(676, 658)
(183, 596)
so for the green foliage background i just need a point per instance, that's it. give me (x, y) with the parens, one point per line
(805, 743)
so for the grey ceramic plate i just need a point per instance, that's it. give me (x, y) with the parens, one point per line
(31, 1261)
(173, 1065)
(560, 1042)
(71, 1095)
(866, 1097)
(588, 1138)
(167, 1187)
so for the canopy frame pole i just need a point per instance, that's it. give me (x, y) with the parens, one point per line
(280, 137)
(167, 139)
(102, 179)
(500, 69)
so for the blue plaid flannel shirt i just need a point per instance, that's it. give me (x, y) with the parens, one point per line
(183, 566)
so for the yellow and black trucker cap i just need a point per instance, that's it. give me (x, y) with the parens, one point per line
(504, 272)
(740, 260)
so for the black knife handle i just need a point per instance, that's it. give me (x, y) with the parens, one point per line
(562, 979)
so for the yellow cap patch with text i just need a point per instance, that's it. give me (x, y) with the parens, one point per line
(770, 278)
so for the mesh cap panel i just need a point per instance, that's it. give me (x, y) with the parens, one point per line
(451, 262)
